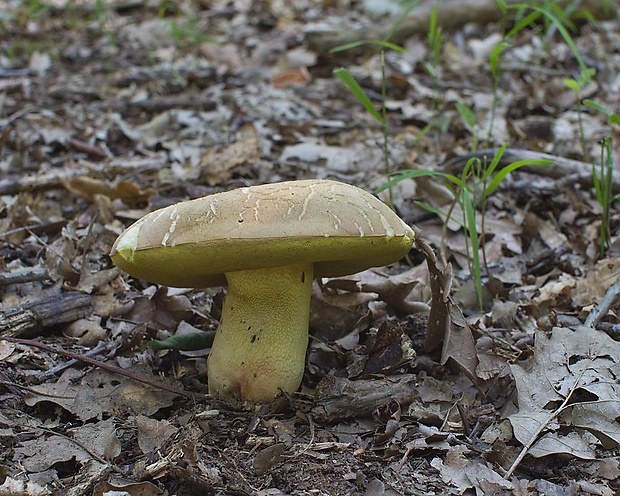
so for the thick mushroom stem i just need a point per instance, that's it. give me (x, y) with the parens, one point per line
(260, 346)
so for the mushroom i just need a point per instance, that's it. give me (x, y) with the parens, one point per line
(267, 243)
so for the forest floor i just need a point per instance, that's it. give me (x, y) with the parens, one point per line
(112, 109)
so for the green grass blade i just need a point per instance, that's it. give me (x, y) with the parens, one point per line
(412, 4)
(612, 117)
(495, 59)
(523, 23)
(467, 115)
(191, 341)
(595, 105)
(503, 173)
(472, 230)
(559, 26)
(354, 87)
(501, 5)
(495, 162)
(378, 43)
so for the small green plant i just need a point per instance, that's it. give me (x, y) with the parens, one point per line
(552, 14)
(188, 32)
(478, 180)
(37, 9)
(432, 68)
(602, 178)
(354, 87)
(495, 61)
(555, 17)
(350, 82)
(577, 85)
(168, 8)
(100, 13)
(558, 16)
(470, 123)
(612, 117)
(435, 42)
(409, 6)
(24, 48)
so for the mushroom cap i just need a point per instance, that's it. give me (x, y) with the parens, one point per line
(342, 229)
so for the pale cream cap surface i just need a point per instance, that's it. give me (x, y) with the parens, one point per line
(341, 228)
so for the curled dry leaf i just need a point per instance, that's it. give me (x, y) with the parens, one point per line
(292, 77)
(390, 349)
(89, 188)
(446, 322)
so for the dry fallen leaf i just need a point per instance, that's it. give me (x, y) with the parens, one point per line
(391, 348)
(43, 452)
(568, 393)
(446, 322)
(292, 77)
(90, 188)
(459, 471)
(98, 393)
(218, 162)
(152, 434)
(18, 487)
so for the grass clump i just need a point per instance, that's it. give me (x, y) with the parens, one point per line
(478, 179)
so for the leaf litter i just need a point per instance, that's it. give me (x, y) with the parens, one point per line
(111, 110)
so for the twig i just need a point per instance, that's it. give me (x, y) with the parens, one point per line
(110, 368)
(32, 227)
(597, 313)
(15, 116)
(27, 319)
(27, 274)
(82, 146)
(14, 183)
(338, 398)
(48, 374)
(6, 382)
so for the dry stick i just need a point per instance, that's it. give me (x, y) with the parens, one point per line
(107, 367)
(602, 308)
(101, 346)
(27, 274)
(15, 116)
(26, 320)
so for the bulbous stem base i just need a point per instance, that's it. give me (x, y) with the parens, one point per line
(260, 346)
